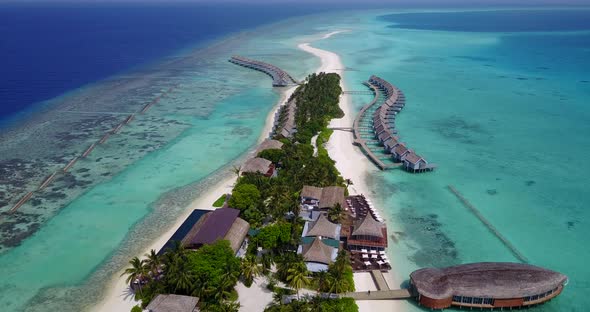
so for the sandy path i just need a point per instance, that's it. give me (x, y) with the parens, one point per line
(353, 165)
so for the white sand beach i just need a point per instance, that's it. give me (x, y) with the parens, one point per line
(354, 165)
(119, 297)
(350, 162)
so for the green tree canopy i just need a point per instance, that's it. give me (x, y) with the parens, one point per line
(244, 196)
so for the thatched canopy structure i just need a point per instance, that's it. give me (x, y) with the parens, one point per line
(327, 196)
(318, 252)
(257, 165)
(173, 303)
(237, 233)
(368, 227)
(222, 223)
(499, 280)
(323, 227)
(269, 144)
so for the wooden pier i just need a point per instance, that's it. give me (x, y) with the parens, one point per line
(70, 164)
(392, 294)
(103, 139)
(490, 227)
(46, 182)
(359, 141)
(21, 202)
(280, 78)
(382, 126)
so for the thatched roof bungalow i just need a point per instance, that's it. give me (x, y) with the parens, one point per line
(258, 165)
(322, 198)
(367, 233)
(317, 255)
(322, 227)
(269, 144)
(173, 303)
(486, 285)
(222, 223)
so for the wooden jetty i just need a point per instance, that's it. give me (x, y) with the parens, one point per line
(70, 164)
(89, 150)
(382, 124)
(48, 180)
(280, 78)
(358, 140)
(104, 138)
(392, 294)
(21, 202)
(490, 227)
(129, 119)
(118, 128)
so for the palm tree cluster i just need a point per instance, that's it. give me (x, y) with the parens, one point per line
(183, 272)
(338, 278)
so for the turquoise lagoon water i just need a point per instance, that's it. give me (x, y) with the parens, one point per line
(211, 120)
(504, 113)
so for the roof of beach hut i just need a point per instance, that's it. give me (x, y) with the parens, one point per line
(368, 227)
(256, 165)
(317, 252)
(499, 280)
(173, 303)
(269, 144)
(323, 227)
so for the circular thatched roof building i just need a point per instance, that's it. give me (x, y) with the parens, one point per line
(486, 285)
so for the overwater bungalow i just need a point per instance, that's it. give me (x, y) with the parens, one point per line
(259, 165)
(400, 151)
(486, 285)
(391, 143)
(414, 163)
(322, 198)
(280, 78)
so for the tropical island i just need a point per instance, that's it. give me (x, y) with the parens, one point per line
(268, 199)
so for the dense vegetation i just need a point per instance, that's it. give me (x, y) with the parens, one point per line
(209, 273)
(317, 104)
(270, 205)
(316, 304)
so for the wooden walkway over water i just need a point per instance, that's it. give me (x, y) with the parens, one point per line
(393, 294)
(280, 78)
(358, 140)
(383, 292)
(490, 227)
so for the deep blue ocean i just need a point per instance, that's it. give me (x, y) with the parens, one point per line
(46, 50)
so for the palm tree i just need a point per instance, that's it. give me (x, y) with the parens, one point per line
(266, 261)
(153, 262)
(338, 284)
(236, 170)
(137, 271)
(297, 277)
(322, 278)
(250, 269)
(336, 213)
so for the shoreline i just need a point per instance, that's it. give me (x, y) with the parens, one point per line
(118, 297)
(354, 165)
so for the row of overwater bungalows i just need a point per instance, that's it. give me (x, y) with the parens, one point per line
(280, 78)
(384, 128)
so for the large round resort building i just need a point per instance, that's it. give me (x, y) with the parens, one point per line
(486, 285)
